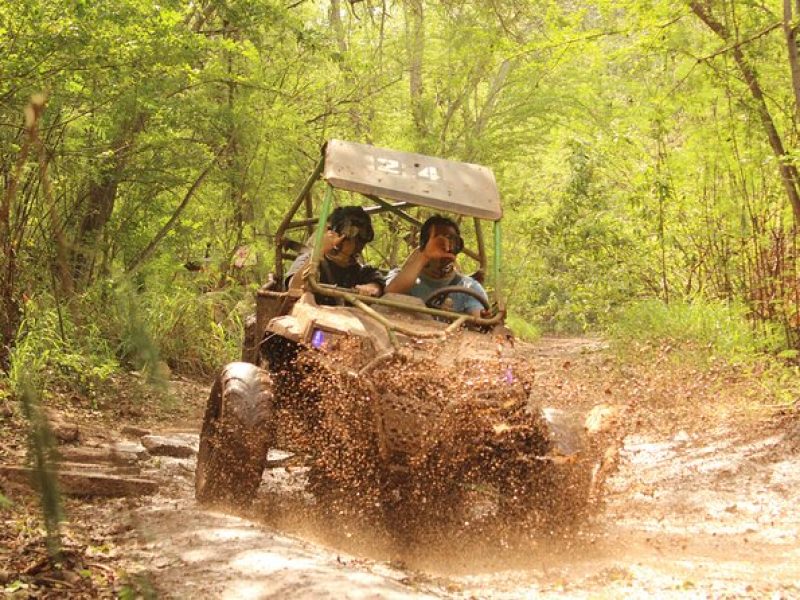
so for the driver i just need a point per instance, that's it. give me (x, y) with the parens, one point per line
(431, 267)
(349, 229)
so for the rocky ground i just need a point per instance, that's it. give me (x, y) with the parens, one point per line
(701, 503)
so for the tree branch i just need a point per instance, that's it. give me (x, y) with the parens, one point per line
(790, 32)
(145, 254)
(788, 172)
(747, 40)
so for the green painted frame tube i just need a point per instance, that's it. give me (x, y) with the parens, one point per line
(497, 261)
(324, 213)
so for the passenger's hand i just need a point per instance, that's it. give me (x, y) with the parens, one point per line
(438, 246)
(331, 240)
(369, 289)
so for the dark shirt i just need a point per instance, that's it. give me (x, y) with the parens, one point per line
(333, 274)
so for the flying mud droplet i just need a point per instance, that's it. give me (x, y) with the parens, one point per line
(424, 453)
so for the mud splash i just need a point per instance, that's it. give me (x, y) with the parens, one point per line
(419, 453)
(692, 510)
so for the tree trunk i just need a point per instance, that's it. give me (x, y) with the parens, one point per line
(335, 16)
(415, 25)
(788, 172)
(100, 199)
(10, 309)
(790, 31)
(350, 77)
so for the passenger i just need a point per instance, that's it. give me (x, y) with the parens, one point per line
(349, 229)
(431, 267)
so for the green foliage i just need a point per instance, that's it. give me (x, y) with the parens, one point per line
(53, 350)
(722, 329)
(522, 328)
(16, 586)
(781, 380)
(136, 587)
(43, 456)
(190, 331)
(129, 324)
(585, 256)
(198, 332)
(630, 156)
(79, 348)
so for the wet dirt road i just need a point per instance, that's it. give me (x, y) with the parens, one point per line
(694, 509)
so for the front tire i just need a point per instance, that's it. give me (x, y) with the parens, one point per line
(237, 432)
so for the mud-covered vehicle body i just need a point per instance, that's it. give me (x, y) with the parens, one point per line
(393, 404)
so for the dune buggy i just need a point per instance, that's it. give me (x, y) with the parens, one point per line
(396, 406)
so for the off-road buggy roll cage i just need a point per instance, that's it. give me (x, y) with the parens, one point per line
(395, 182)
(391, 414)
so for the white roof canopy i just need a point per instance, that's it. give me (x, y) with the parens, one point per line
(451, 186)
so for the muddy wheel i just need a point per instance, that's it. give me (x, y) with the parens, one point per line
(236, 434)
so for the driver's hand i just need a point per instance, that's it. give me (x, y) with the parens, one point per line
(331, 240)
(369, 289)
(439, 246)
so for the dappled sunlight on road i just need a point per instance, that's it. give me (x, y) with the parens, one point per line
(212, 554)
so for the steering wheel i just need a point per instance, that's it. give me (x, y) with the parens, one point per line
(437, 298)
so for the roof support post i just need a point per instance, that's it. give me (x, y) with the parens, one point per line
(287, 219)
(324, 213)
(496, 274)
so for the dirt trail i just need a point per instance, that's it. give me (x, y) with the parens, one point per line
(697, 507)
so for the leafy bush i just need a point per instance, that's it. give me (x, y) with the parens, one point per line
(189, 331)
(198, 333)
(522, 328)
(52, 350)
(77, 347)
(723, 329)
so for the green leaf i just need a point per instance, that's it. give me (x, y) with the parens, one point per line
(16, 586)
